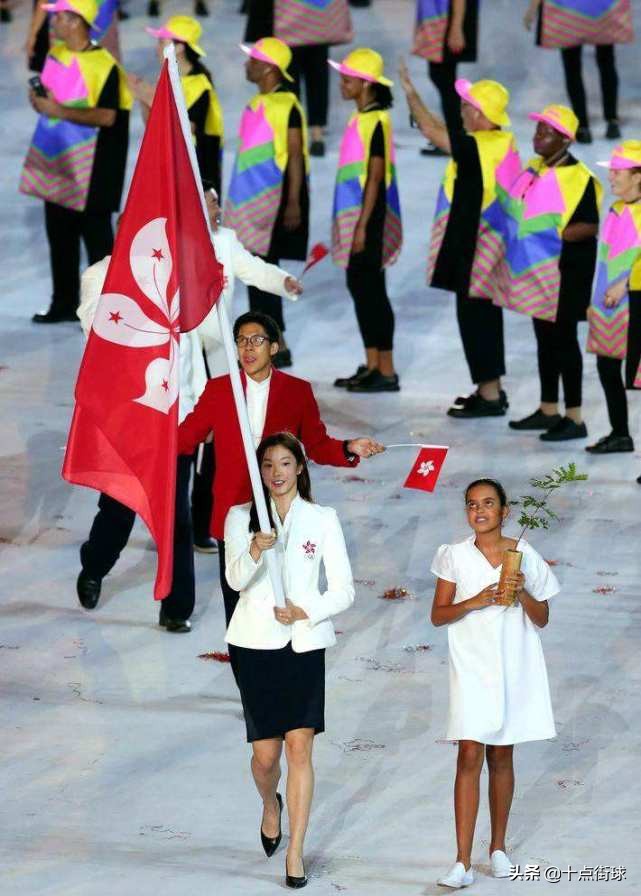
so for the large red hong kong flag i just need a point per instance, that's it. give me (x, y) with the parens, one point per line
(426, 468)
(163, 279)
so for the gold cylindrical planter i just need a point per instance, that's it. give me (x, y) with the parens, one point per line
(511, 566)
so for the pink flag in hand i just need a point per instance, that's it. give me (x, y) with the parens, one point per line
(426, 468)
(316, 254)
(162, 281)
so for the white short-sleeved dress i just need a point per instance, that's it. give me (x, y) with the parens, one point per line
(499, 691)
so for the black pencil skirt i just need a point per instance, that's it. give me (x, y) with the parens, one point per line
(281, 690)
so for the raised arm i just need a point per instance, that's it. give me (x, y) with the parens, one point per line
(430, 125)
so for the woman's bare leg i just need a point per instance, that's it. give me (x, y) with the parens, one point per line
(466, 796)
(501, 790)
(300, 788)
(265, 767)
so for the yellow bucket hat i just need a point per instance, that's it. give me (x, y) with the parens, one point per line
(561, 118)
(365, 64)
(489, 97)
(86, 9)
(625, 155)
(184, 29)
(272, 50)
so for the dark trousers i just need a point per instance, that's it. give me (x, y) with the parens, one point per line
(230, 599)
(309, 64)
(65, 229)
(572, 67)
(202, 499)
(110, 533)
(610, 375)
(481, 327)
(267, 302)
(367, 286)
(559, 357)
(443, 75)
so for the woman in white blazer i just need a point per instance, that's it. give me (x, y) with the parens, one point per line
(281, 651)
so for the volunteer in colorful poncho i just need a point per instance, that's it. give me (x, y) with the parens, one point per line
(201, 99)
(268, 197)
(568, 24)
(76, 161)
(445, 33)
(468, 235)
(553, 215)
(615, 312)
(309, 28)
(104, 31)
(366, 225)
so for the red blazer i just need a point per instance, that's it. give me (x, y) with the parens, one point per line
(291, 406)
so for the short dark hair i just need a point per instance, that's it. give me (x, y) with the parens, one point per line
(268, 324)
(491, 483)
(208, 185)
(383, 96)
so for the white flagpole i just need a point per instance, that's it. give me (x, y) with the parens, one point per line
(416, 445)
(273, 565)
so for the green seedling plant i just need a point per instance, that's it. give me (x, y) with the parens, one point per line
(535, 512)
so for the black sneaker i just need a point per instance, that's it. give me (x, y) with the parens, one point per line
(205, 544)
(342, 382)
(201, 9)
(537, 420)
(317, 148)
(375, 381)
(55, 316)
(178, 626)
(460, 400)
(564, 431)
(583, 135)
(430, 150)
(5, 14)
(477, 406)
(282, 358)
(153, 9)
(613, 130)
(611, 444)
(88, 590)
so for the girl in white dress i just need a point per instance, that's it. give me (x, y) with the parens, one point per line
(499, 692)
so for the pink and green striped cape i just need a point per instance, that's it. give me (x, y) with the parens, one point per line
(351, 178)
(500, 166)
(256, 184)
(568, 23)
(430, 29)
(619, 257)
(311, 22)
(60, 159)
(539, 205)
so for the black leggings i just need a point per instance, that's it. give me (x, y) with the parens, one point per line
(310, 65)
(559, 357)
(366, 283)
(572, 58)
(65, 229)
(481, 327)
(612, 381)
(443, 76)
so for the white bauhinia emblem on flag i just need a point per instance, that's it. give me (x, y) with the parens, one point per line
(120, 319)
(426, 468)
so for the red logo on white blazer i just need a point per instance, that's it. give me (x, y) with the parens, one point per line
(310, 550)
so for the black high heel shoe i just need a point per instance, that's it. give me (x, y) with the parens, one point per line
(271, 844)
(296, 883)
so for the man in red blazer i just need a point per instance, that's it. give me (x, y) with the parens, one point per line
(276, 402)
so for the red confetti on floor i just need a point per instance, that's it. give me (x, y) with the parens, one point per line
(217, 656)
(604, 589)
(395, 594)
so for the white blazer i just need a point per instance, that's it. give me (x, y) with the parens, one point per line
(236, 262)
(312, 534)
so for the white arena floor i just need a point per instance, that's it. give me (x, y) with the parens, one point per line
(124, 765)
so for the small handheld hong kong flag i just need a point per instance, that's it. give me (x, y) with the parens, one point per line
(426, 468)
(316, 253)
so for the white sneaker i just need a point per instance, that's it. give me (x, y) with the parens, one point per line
(458, 877)
(501, 864)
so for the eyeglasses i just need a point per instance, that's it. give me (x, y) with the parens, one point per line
(255, 341)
